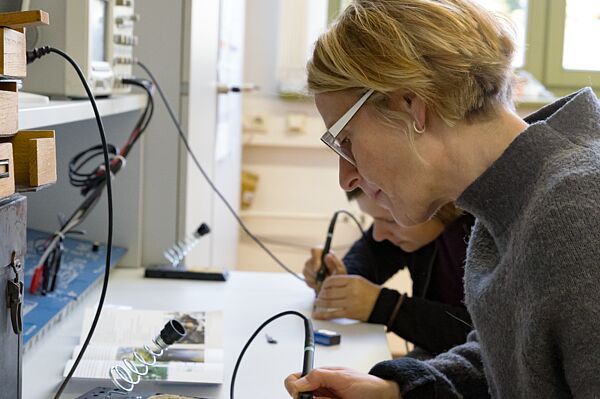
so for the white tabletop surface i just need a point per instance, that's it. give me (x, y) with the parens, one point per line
(247, 300)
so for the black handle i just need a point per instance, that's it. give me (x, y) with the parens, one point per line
(172, 332)
(202, 230)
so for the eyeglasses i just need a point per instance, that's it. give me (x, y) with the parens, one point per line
(331, 136)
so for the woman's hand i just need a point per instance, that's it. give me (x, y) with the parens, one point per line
(313, 264)
(341, 383)
(347, 296)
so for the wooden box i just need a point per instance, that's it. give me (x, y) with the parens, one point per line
(7, 175)
(12, 50)
(9, 108)
(13, 57)
(34, 158)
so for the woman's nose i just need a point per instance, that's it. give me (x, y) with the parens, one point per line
(349, 176)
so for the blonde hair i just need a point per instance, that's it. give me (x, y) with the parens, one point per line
(453, 54)
(448, 214)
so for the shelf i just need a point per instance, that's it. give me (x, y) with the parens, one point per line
(58, 112)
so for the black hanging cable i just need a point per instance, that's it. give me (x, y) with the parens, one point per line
(349, 214)
(31, 56)
(207, 178)
(309, 346)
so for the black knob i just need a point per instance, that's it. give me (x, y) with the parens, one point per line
(172, 332)
(202, 230)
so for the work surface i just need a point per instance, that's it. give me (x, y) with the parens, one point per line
(247, 299)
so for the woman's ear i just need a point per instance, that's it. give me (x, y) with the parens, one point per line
(409, 103)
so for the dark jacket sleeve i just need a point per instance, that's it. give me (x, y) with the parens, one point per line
(424, 322)
(456, 374)
(433, 326)
(375, 261)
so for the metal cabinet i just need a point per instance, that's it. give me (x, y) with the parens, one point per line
(13, 245)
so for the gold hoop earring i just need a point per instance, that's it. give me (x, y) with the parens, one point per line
(417, 130)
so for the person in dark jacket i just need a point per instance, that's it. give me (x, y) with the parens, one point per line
(434, 318)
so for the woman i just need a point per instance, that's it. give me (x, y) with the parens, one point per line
(434, 318)
(427, 84)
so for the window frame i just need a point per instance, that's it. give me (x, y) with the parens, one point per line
(544, 41)
(555, 74)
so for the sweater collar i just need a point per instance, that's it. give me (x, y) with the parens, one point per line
(497, 197)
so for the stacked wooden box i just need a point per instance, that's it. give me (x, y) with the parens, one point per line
(27, 158)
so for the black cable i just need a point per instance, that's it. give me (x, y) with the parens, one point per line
(209, 181)
(147, 86)
(90, 179)
(309, 346)
(31, 56)
(345, 212)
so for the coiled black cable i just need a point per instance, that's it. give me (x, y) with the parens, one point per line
(80, 174)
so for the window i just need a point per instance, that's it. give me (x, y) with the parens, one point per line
(516, 12)
(300, 23)
(555, 40)
(571, 58)
(582, 21)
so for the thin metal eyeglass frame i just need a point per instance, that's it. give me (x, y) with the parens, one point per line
(330, 136)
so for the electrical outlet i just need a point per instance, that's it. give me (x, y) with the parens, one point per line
(257, 123)
(296, 123)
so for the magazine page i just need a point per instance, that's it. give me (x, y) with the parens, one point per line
(196, 358)
(136, 327)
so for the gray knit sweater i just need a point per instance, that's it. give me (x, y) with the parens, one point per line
(532, 277)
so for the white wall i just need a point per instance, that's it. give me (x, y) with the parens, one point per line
(161, 145)
(298, 188)
(184, 54)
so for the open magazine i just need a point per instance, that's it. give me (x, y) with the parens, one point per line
(197, 358)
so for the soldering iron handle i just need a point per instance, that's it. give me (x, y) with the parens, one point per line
(309, 354)
(322, 273)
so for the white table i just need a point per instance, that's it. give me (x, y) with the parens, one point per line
(247, 299)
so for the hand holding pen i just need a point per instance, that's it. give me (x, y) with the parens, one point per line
(333, 265)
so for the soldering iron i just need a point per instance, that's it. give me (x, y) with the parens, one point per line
(323, 271)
